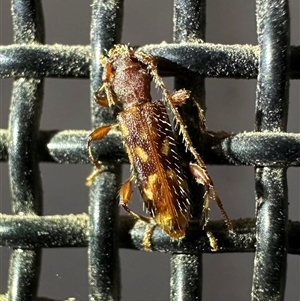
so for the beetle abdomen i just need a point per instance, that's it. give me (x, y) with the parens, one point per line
(154, 157)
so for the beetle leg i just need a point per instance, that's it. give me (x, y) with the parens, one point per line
(201, 176)
(205, 210)
(179, 97)
(97, 134)
(148, 235)
(212, 241)
(100, 98)
(202, 119)
(125, 199)
(92, 176)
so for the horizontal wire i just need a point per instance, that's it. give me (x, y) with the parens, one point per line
(59, 231)
(249, 148)
(206, 59)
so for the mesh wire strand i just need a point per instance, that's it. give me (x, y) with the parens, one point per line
(269, 148)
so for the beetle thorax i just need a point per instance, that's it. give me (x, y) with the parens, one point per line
(131, 82)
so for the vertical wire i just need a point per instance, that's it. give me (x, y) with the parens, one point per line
(189, 26)
(273, 30)
(103, 255)
(25, 179)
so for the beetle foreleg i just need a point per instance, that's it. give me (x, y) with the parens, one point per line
(100, 99)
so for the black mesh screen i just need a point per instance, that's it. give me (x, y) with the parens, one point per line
(101, 231)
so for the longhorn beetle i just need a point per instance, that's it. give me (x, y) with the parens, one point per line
(150, 144)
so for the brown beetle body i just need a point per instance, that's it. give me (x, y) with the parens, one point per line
(150, 143)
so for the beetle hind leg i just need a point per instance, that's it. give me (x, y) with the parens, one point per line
(201, 176)
(125, 199)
